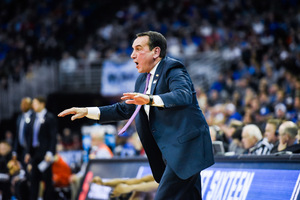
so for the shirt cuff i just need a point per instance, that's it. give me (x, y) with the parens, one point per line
(93, 113)
(157, 101)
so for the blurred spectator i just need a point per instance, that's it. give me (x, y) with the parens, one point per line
(233, 52)
(236, 144)
(296, 118)
(234, 136)
(61, 172)
(110, 140)
(98, 150)
(280, 111)
(213, 133)
(68, 63)
(272, 134)
(253, 141)
(217, 134)
(9, 137)
(67, 139)
(136, 143)
(61, 177)
(232, 113)
(202, 99)
(77, 144)
(22, 131)
(290, 109)
(124, 146)
(5, 156)
(214, 98)
(231, 128)
(288, 137)
(98, 147)
(190, 48)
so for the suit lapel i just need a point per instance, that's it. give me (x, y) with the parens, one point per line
(157, 75)
(43, 121)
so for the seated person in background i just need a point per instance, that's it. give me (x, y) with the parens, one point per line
(229, 131)
(213, 133)
(253, 141)
(288, 137)
(61, 170)
(61, 173)
(139, 187)
(19, 181)
(126, 144)
(236, 144)
(98, 150)
(5, 156)
(271, 133)
(298, 135)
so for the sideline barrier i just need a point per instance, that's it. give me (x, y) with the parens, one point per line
(242, 177)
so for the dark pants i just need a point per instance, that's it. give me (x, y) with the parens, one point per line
(171, 187)
(36, 176)
(5, 190)
(22, 190)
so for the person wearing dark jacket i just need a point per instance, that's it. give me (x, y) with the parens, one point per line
(41, 149)
(170, 123)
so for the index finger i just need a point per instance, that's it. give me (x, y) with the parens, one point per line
(67, 112)
(130, 94)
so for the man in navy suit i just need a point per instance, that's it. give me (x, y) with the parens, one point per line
(41, 148)
(171, 126)
(22, 132)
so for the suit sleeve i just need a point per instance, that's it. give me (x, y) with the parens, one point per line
(180, 88)
(119, 111)
(116, 112)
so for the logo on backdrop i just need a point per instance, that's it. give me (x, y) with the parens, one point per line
(118, 78)
(224, 184)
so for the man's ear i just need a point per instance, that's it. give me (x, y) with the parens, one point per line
(156, 51)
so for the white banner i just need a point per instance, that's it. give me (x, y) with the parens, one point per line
(118, 78)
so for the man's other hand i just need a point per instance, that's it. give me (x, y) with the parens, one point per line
(135, 98)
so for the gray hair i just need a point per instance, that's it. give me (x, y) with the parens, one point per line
(253, 130)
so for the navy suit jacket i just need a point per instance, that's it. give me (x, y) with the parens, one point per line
(46, 138)
(17, 146)
(176, 134)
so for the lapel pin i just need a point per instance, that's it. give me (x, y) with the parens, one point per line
(27, 120)
(154, 81)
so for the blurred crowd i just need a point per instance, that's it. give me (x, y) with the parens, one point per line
(263, 35)
(252, 108)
